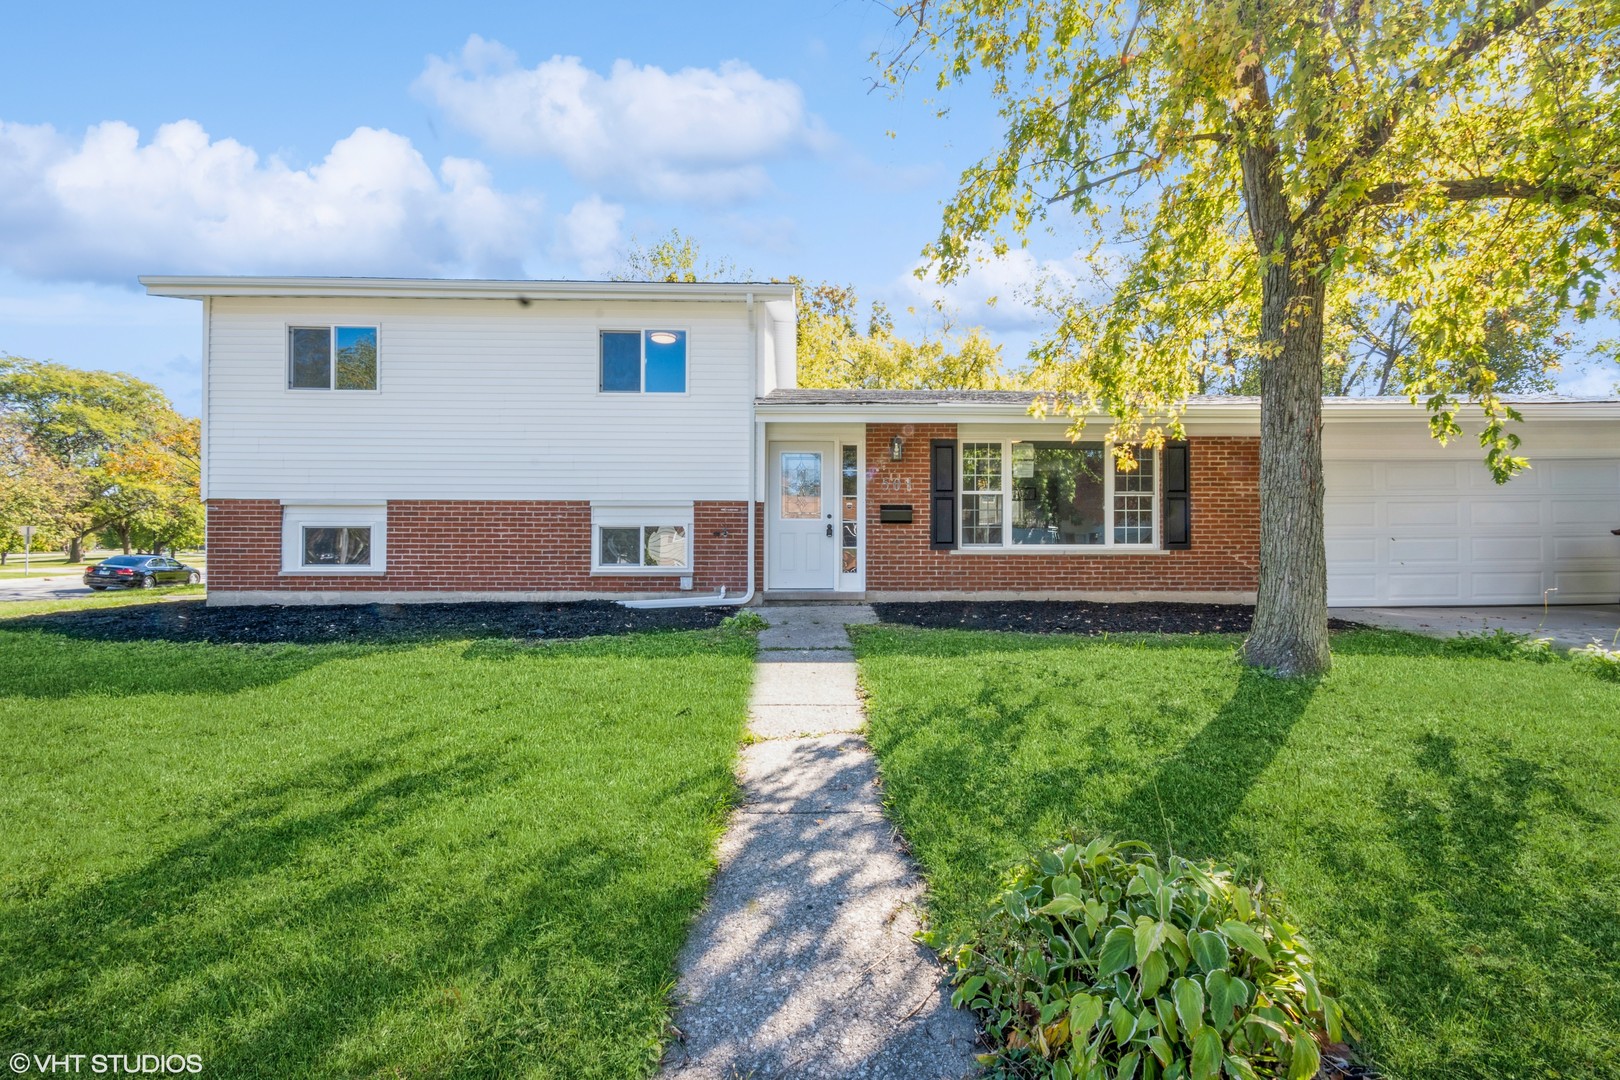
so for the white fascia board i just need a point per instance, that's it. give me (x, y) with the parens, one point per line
(1341, 412)
(970, 413)
(1202, 412)
(196, 288)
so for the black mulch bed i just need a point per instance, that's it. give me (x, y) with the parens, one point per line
(191, 620)
(1078, 617)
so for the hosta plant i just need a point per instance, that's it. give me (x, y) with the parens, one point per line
(1599, 658)
(1099, 963)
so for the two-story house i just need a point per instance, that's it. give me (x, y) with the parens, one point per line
(410, 440)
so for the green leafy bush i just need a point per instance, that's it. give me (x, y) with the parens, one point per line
(1503, 644)
(746, 621)
(1098, 964)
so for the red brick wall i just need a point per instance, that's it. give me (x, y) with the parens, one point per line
(448, 546)
(1224, 557)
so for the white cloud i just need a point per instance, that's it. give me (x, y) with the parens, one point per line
(697, 134)
(590, 235)
(109, 207)
(999, 291)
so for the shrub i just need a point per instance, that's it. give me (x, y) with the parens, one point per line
(1503, 644)
(1599, 659)
(1098, 964)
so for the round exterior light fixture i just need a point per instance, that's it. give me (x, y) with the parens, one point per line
(661, 337)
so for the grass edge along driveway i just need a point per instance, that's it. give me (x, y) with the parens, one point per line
(1443, 825)
(440, 858)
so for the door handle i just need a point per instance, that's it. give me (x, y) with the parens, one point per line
(829, 528)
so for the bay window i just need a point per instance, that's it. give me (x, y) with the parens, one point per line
(1026, 494)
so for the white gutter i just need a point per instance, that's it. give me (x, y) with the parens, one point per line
(196, 288)
(720, 599)
(1335, 412)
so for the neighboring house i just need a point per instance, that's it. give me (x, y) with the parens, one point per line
(408, 440)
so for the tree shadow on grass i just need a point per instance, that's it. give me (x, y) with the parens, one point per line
(1189, 801)
(45, 666)
(356, 919)
(1489, 941)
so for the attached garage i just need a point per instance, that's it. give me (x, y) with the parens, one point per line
(1413, 523)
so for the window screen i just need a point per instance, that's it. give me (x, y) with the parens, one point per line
(621, 362)
(311, 358)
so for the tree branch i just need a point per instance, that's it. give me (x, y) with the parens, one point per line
(1377, 134)
(1141, 166)
(1477, 188)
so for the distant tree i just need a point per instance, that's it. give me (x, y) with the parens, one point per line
(833, 352)
(148, 492)
(120, 448)
(34, 490)
(675, 257)
(1371, 346)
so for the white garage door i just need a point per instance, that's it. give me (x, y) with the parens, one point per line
(1444, 533)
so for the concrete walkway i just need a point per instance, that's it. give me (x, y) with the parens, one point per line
(802, 963)
(1569, 625)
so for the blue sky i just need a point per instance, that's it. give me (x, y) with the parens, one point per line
(459, 139)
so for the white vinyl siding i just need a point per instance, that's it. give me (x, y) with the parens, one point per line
(481, 399)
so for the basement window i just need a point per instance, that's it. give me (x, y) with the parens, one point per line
(642, 539)
(334, 538)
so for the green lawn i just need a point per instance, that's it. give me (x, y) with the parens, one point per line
(1444, 826)
(444, 858)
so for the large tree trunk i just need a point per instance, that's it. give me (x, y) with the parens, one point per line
(1290, 616)
(76, 549)
(1289, 636)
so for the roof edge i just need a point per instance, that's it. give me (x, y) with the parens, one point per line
(199, 287)
(1339, 410)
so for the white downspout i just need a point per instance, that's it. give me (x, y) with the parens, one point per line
(720, 599)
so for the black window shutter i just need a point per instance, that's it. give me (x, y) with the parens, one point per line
(942, 494)
(1177, 496)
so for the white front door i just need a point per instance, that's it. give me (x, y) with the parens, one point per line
(801, 535)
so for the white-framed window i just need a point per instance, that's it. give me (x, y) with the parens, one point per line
(331, 357)
(642, 361)
(1030, 494)
(983, 489)
(334, 538)
(644, 539)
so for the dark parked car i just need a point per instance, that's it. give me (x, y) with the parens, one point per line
(139, 572)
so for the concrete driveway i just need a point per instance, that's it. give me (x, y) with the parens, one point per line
(1570, 626)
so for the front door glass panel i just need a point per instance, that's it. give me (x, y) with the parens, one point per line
(801, 485)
